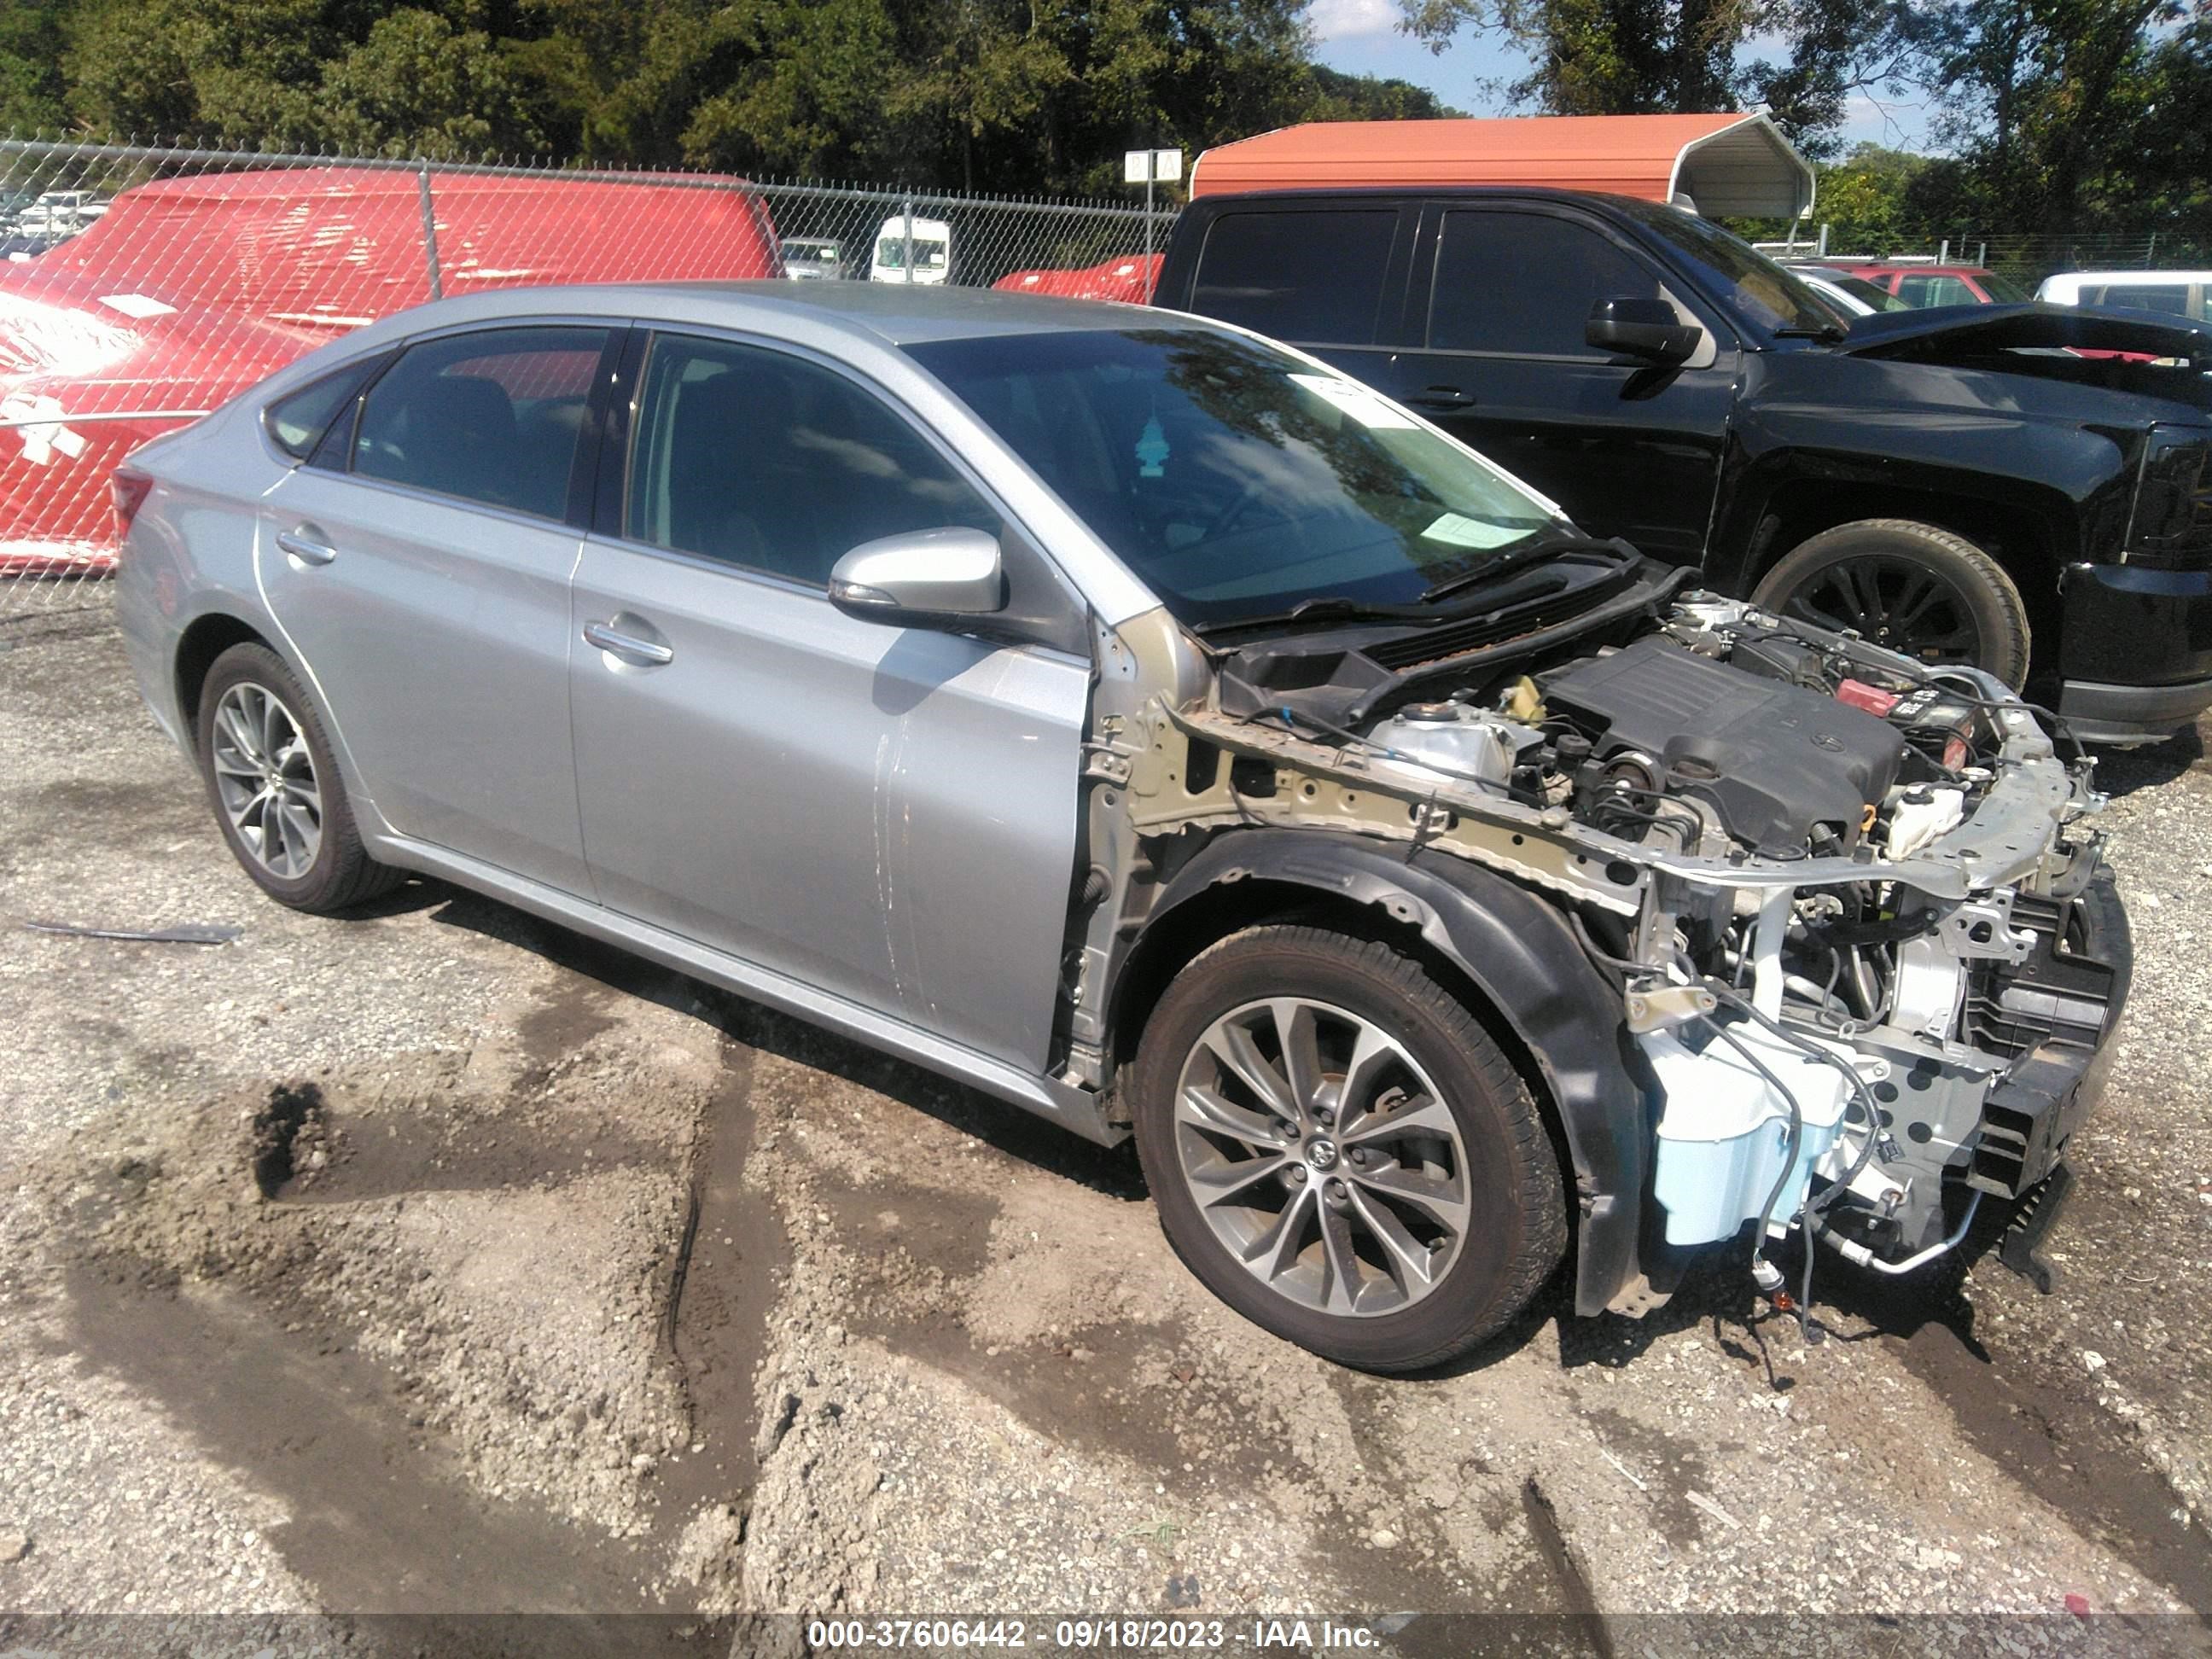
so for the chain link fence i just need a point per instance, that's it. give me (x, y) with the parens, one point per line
(2024, 258)
(141, 286)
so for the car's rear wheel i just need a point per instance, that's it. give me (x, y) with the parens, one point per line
(1908, 587)
(1340, 1151)
(276, 787)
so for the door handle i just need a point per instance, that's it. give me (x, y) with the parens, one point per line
(643, 653)
(1443, 397)
(303, 548)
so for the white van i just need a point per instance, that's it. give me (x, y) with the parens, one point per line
(933, 252)
(2182, 293)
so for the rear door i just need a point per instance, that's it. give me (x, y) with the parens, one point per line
(884, 814)
(1328, 277)
(419, 566)
(1503, 294)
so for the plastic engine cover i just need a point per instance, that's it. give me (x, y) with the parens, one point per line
(1775, 760)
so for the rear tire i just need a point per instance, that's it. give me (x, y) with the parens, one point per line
(274, 784)
(1383, 1190)
(1908, 586)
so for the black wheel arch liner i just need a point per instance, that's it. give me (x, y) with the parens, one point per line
(1520, 954)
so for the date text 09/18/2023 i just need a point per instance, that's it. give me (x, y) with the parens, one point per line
(1124, 1633)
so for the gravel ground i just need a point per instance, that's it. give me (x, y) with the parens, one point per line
(439, 1261)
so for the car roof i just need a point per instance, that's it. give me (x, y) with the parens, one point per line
(1914, 268)
(2134, 278)
(892, 313)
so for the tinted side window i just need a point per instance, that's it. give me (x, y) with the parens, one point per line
(296, 424)
(1308, 276)
(1524, 282)
(773, 462)
(493, 416)
(2149, 297)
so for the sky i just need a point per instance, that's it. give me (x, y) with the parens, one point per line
(1361, 37)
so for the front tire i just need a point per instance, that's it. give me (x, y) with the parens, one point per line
(275, 787)
(1341, 1152)
(1910, 587)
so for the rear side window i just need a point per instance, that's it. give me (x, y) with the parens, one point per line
(494, 416)
(1934, 291)
(774, 463)
(1523, 284)
(296, 424)
(2146, 296)
(1314, 277)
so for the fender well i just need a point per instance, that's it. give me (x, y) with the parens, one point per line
(1513, 949)
(207, 638)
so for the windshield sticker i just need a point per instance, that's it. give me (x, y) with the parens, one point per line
(1460, 531)
(1357, 401)
(1153, 450)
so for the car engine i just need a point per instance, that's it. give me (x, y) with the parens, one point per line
(1852, 903)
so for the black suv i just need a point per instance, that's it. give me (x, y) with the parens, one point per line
(2024, 488)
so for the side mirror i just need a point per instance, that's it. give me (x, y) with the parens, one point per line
(1641, 328)
(921, 578)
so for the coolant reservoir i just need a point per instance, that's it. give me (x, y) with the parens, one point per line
(1921, 815)
(1724, 1131)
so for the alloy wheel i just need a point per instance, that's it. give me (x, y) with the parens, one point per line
(1321, 1156)
(265, 778)
(1898, 603)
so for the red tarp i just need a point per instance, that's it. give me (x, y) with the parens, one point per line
(1131, 280)
(189, 290)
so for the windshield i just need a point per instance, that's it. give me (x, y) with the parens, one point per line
(890, 254)
(1234, 479)
(1759, 292)
(2002, 290)
(1880, 298)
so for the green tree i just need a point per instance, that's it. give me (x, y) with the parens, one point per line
(2051, 103)
(415, 85)
(1865, 199)
(1651, 57)
(1004, 95)
(32, 87)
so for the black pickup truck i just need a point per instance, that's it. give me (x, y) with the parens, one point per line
(2024, 488)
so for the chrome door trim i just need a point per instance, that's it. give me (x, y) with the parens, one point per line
(1072, 1107)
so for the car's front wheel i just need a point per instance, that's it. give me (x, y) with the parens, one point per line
(1340, 1151)
(275, 789)
(1910, 587)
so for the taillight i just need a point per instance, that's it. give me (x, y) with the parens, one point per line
(129, 486)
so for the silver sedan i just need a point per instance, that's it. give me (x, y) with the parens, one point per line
(1120, 713)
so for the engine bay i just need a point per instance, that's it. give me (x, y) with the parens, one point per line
(1849, 900)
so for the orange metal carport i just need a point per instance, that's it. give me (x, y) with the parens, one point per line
(1728, 166)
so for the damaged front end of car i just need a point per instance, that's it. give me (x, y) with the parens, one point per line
(1795, 933)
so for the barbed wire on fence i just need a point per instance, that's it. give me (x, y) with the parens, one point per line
(143, 284)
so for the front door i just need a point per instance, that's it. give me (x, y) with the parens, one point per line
(421, 576)
(884, 813)
(1628, 450)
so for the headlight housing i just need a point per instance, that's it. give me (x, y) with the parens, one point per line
(2171, 527)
